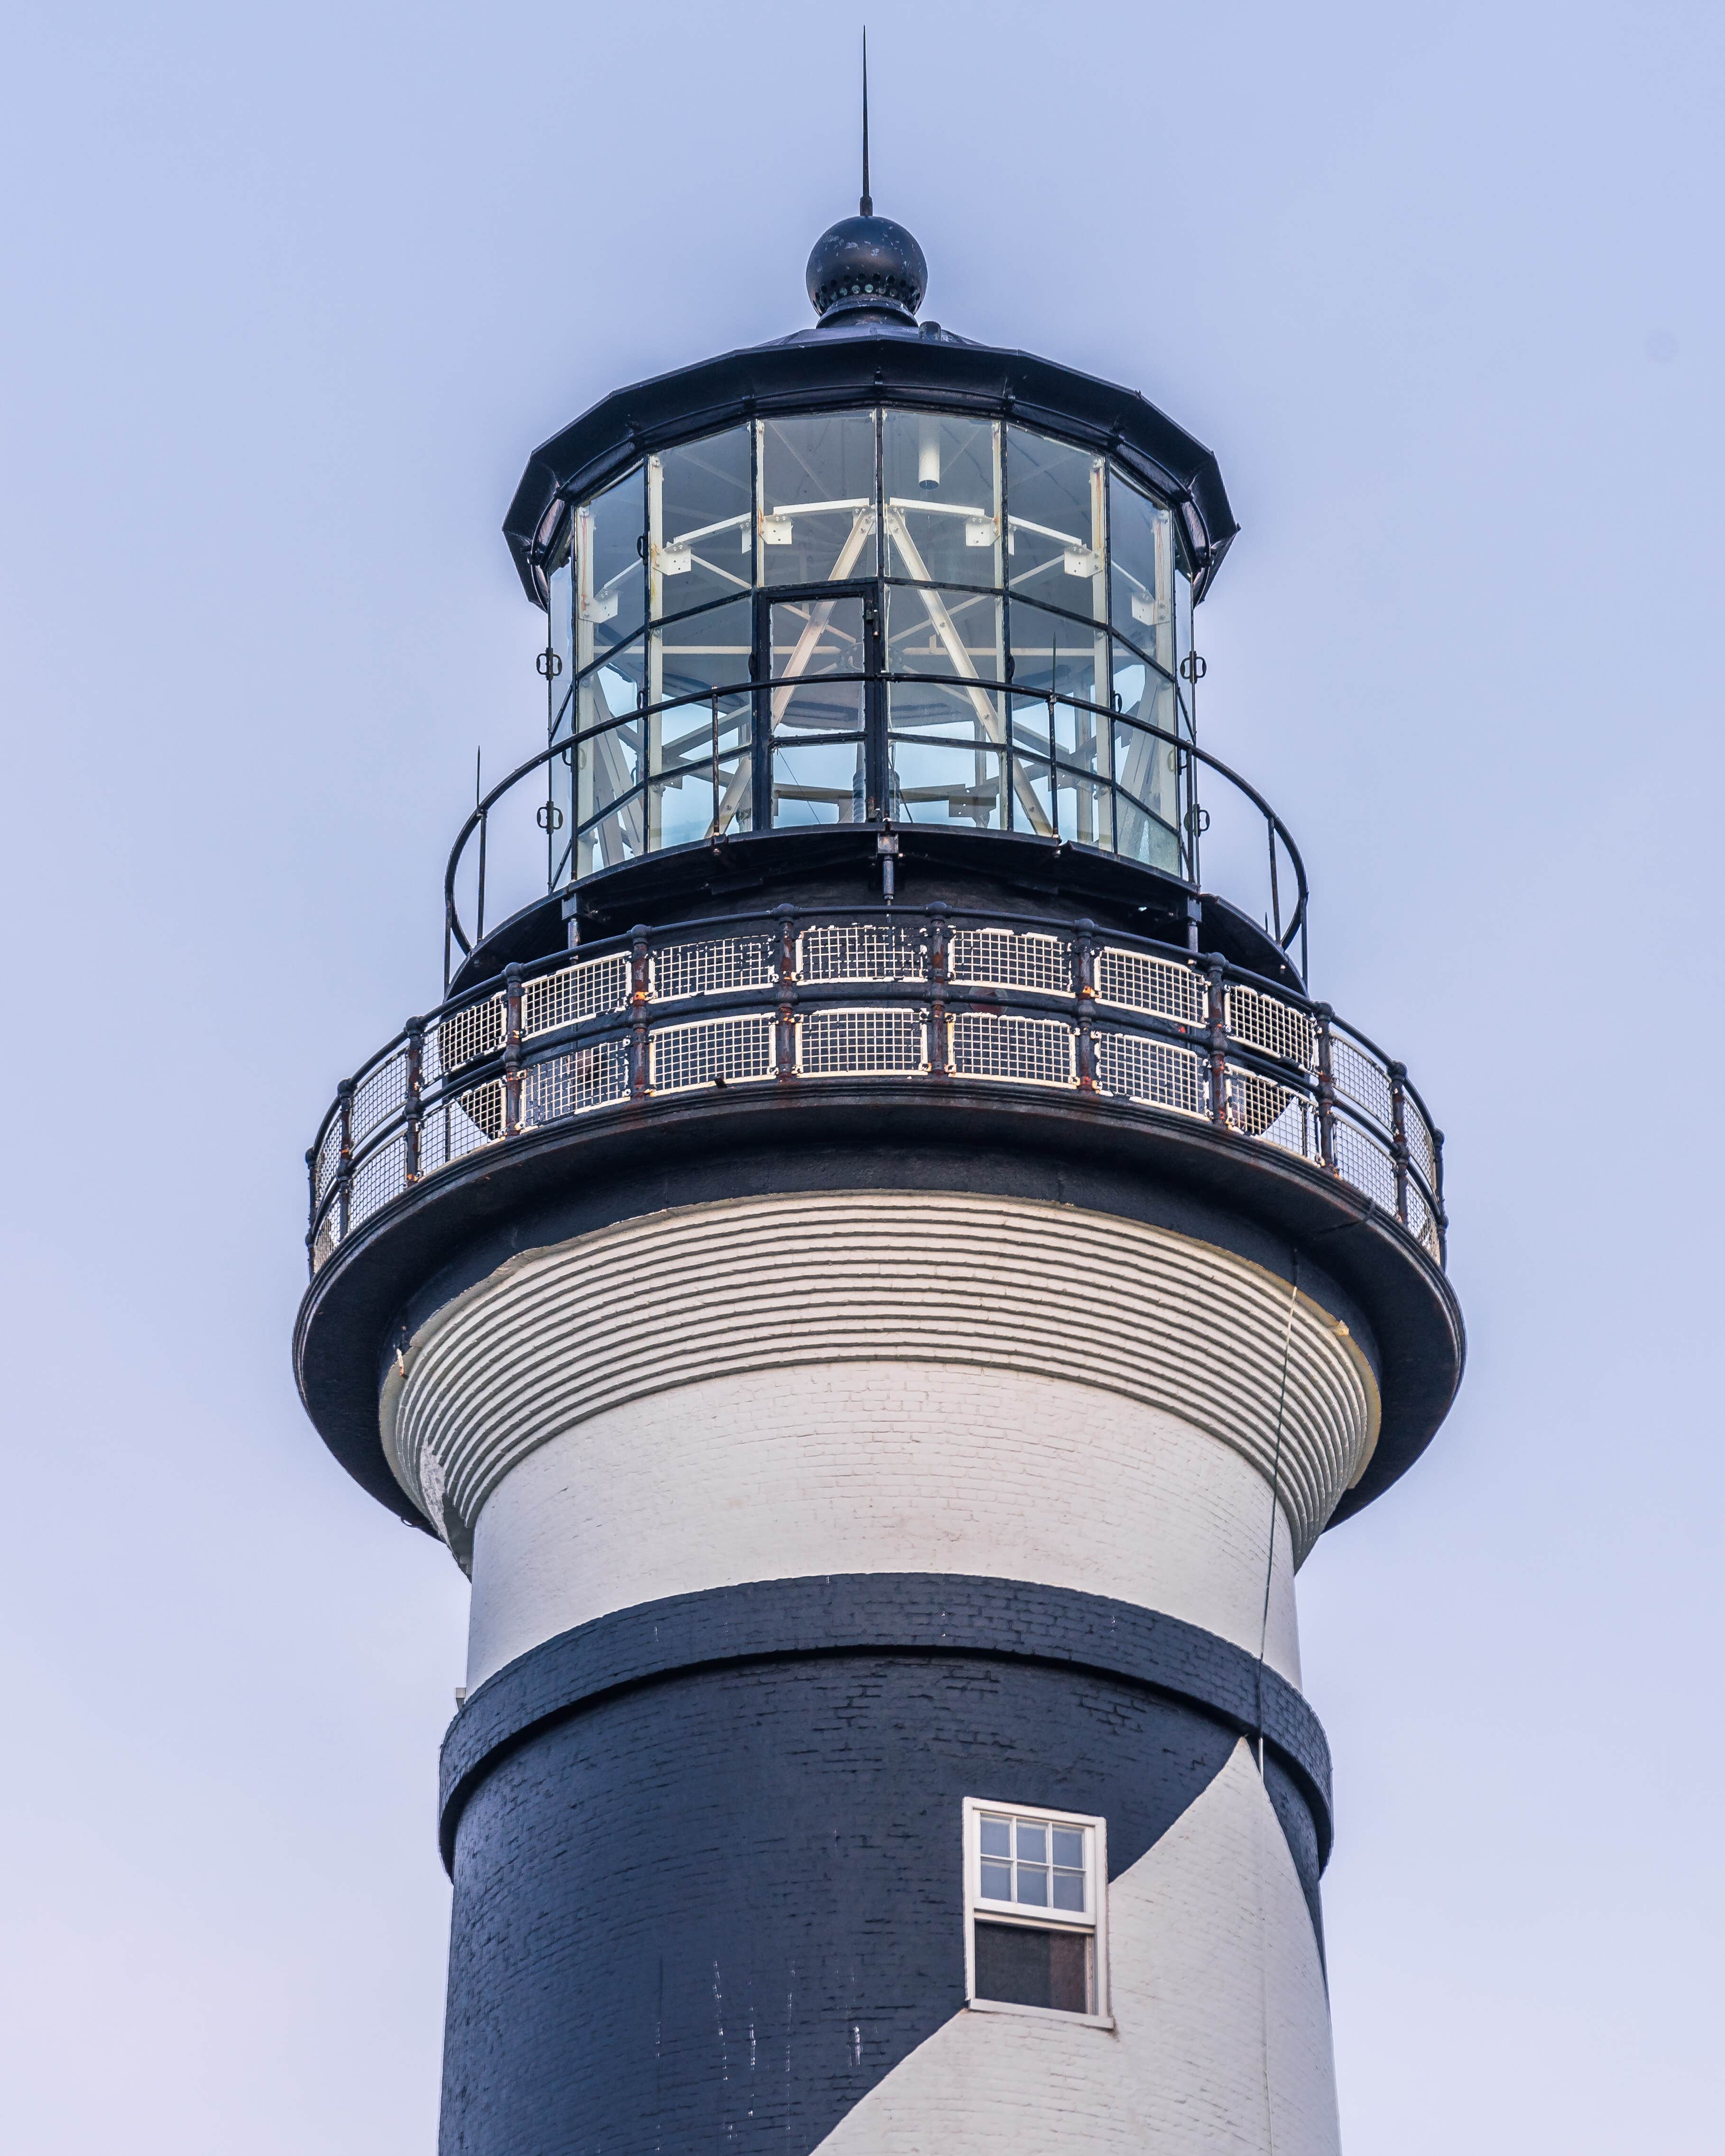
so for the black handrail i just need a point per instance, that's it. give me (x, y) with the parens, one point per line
(510, 1059)
(479, 816)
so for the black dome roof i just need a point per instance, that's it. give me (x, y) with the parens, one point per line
(867, 264)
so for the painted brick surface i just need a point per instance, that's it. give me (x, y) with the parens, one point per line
(1222, 2036)
(713, 1912)
(1107, 1306)
(897, 1468)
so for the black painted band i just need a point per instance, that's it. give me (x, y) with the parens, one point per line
(841, 1612)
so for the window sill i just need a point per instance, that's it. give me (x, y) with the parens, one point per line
(1039, 2013)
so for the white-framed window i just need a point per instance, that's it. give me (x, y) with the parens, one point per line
(1035, 1910)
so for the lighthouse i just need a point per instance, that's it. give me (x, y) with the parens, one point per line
(880, 1272)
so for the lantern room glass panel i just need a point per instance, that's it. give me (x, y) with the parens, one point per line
(1057, 541)
(611, 578)
(816, 512)
(1019, 602)
(700, 523)
(942, 515)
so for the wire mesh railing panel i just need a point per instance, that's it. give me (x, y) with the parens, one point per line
(1026, 1051)
(1362, 1161)
(1005, 958)
(1422, 1146)
(379, 1176)
(711, 966)
(1136, 982)
(862, 951)
(455, 1128)
(380, 1095)
(1271, 1026)
(1361, 1079)
(554, 1000)
(328, 1164)
(466, 1036)
(1421, 1223)
(861, 1044)
(733, 1051)
(1154, 1072)
(1254, 1102)
(1295, 1129)
(563, 1086)
(325, 1242)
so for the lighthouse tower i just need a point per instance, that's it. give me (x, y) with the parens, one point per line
(881, 1273)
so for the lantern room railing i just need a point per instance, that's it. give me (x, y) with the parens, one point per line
(523, 839)
(801, 998)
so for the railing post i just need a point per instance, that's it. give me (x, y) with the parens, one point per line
(415, 1031)
(1399, 1134)
(1325, 1089)
(1437, 1191)
(311, 1215)
(785, 1043)
(1218, 1042)
(1084, 968)
(638, 992)
(939, 954)
(511, 1050)
(344, 1171)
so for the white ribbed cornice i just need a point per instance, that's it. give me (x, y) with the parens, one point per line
(559, 1335)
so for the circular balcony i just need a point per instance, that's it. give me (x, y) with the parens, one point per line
(892, 1043)
(802, 999)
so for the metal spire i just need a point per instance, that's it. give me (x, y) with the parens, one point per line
(867, 204)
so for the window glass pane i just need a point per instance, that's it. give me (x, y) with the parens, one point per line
(955, 636)
(1033, 804)
(688, 805)
(608, 767)
(1054, 529)
(1020, 1966)
(612, 580)
(933, 784)
(997, 1881)
(1068, 1845)
(942, 518)
(1051, 651)
(705, 651)
(1148, 809)
(997, 1837)
(1068, 1891)
(698, 513)
(815, 644)
(819, 783)
(1140, 557)
(1182, 644)
(1033, 1843)
(817, 522)
(1033, 1885)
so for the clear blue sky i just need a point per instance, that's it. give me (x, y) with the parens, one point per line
(288, 295)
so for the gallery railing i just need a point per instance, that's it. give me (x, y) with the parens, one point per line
(1211, 829)
(801, 998)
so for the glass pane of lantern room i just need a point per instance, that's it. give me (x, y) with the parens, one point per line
(1055, 528)
(816, 704)
(817, 507)
(1141, 563)
(942, 498)
(700, 523)
(610, 577)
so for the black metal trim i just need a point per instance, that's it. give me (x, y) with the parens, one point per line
(866, 1613)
